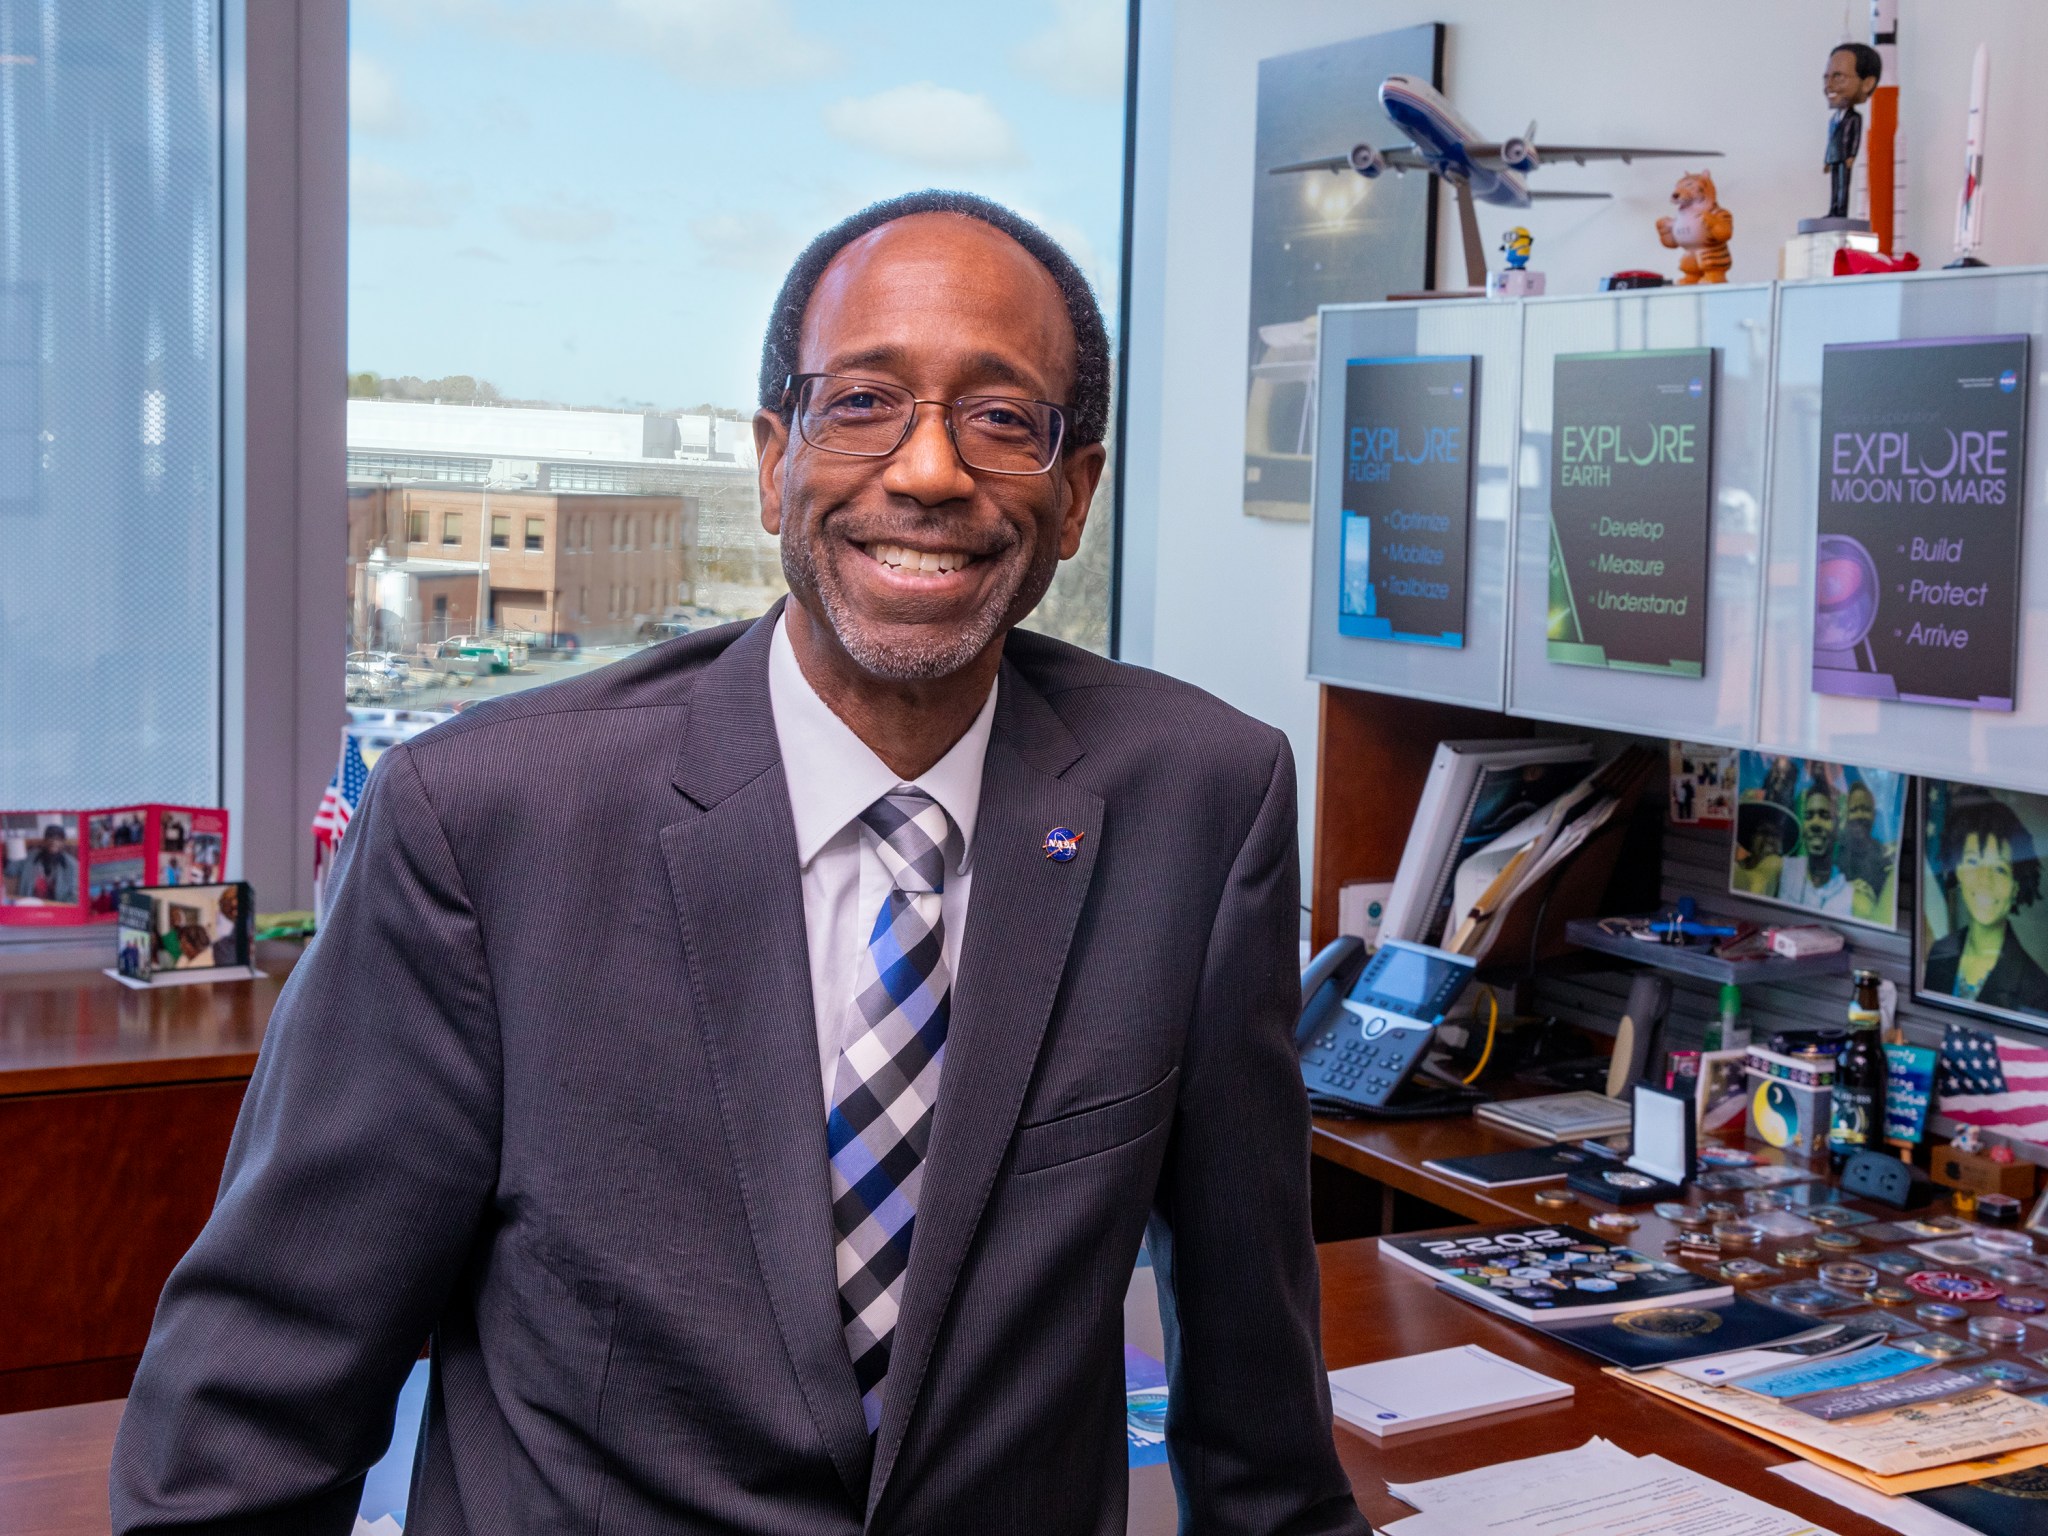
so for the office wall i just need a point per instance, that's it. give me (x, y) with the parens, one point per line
(1221, 599)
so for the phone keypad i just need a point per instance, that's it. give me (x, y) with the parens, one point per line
(1363, 1060)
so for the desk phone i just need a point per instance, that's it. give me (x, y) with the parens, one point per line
(1367, 1021)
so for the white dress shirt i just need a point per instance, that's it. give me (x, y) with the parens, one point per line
(833, 776)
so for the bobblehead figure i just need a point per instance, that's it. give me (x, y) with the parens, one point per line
(1852, 78)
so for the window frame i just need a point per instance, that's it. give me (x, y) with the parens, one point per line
(284, 241)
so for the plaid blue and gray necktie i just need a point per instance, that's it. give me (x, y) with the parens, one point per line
(886, 1084)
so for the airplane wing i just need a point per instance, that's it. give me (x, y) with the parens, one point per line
(1552, 196)
(1403, 158)
(1580, 154)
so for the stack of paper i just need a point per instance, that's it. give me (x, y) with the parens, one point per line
(1391, 1397)
(1597, 1490)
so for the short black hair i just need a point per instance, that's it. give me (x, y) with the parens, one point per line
(1087, 406)
(1869, 62)
(1987, 819)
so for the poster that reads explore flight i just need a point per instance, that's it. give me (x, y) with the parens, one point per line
(1407, 499)
(1922, 495)
(1631, 509)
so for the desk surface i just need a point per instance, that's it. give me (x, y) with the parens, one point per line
(53, 1464)
(65, 1031)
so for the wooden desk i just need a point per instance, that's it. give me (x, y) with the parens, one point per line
(115, 1110)
(53, 1464)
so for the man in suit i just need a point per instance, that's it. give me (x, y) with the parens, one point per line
(920, 968)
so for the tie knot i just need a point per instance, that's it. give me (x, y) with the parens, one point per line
(913, 830)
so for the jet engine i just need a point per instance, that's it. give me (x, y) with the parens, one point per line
(1367, 161)
(1519, 155)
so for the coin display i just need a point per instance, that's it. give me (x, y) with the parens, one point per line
(1940, 1346)
(1805, 1296)
(1837, 1242)
(1990, 1328)
(2025, 1306)
(1891, 1296)
(1940, 1312)
(1952, 1285)
(1799, 1258)
(1556, 1198)
(1849, 1275)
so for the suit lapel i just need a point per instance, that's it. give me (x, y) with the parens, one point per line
(1022, 912)
(733, 872)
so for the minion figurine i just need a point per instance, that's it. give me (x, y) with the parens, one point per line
(1515, 280)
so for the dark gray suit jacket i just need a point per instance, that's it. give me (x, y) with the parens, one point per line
(546, 1088)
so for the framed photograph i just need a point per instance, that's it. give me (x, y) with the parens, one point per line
(178, 928)
(1721, 1094)
(1983, 927)
(1821, 837)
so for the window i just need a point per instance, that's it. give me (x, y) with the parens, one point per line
(451, 529)
(110, 404)
(544, 215)
(415, 527)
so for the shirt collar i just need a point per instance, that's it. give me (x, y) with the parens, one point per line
(833, 775)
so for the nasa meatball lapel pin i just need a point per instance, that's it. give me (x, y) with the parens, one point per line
(1061, 844)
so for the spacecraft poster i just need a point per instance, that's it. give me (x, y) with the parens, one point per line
(1922, 493)
(1631, 509)
(1407, 498)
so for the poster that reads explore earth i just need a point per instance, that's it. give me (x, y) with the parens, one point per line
(1631, 509)
(1922, 494)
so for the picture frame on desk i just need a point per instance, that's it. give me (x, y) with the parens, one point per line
(1821, 837)
(1980, 872)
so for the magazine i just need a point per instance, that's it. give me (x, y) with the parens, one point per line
(1545, 1274)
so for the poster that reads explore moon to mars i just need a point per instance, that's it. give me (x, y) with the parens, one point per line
(1922, 495)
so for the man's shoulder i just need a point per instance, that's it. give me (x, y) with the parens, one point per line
(1114, 705)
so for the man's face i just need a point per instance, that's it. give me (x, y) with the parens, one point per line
(1819, 826)
(53, 843)
(1859, 811)
(1843, 85)
(943, 306)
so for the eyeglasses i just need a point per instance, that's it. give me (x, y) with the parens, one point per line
(867, 419)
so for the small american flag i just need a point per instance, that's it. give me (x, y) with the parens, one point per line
(1994, 1083)
(338, 804)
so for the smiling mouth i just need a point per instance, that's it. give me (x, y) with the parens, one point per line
(917, 562)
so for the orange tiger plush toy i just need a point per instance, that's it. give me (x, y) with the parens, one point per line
(1701, 228)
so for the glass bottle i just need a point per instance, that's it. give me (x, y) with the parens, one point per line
(1856, 1113)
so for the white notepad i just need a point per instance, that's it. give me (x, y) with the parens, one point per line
(1391, 1397)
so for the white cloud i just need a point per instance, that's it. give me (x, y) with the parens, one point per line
(480, 253)
(707, 42)
(561, 220)
(375, 103)
(383, 194)
(752, 241)
(929, 125)
(1081, 53)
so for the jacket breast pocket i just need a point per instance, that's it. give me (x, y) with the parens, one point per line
(1101, 1129)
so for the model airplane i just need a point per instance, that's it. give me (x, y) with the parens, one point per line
(1443, 144)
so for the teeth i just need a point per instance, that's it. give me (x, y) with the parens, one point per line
(896, 557)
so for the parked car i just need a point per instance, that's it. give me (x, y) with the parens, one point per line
(460, 646)
(655, 630)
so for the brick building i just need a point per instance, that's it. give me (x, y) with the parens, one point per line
(584, 523)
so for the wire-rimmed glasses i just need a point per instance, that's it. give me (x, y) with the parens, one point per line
(997, 434)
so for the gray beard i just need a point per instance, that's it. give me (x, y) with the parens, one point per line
(916, 662)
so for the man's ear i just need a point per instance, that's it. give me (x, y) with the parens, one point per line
(1082, 470)
(771, 444)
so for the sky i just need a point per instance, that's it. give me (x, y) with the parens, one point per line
(594, 201)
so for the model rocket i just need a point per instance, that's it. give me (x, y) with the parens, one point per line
(1885, 156)
(1970, 204)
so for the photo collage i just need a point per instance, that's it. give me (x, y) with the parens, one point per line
(72, 866)
(1833, 839)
